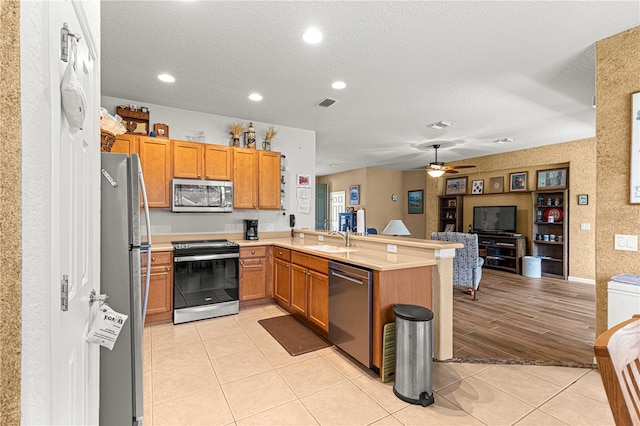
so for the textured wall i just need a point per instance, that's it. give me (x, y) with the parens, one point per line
(579, 156)
(10, 242)
(617, 77)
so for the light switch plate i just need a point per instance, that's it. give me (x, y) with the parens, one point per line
(626, 242)
(302, 235)
(585, 226)
(392, 248)
(320, 238)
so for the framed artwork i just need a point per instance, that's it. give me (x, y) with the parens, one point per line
(456, 186)
(477, 187)
(635, 149)
(450, 228)
(416, 203)
(304, 180)
(518, 181)
(451, 203)
(552, 179)
(583, 199)
(354, 194)
(161, 130)
(497, 184)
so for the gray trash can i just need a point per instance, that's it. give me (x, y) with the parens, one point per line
(414, 354)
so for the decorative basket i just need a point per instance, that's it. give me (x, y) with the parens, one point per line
(107, 139)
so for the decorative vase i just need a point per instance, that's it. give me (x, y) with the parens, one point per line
(266, 144)
(250, 137)
(236, 141)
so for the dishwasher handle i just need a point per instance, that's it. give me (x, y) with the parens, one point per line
(346, 277)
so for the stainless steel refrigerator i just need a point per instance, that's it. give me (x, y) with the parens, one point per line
(121, 381)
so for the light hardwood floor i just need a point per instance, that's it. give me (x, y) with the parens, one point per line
(521, 320)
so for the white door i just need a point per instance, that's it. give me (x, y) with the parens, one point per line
(338, 205)
(75, 222)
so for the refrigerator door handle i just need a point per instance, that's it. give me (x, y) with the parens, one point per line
(147, 219)
(137, 322)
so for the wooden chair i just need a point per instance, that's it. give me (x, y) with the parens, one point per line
(617, 352)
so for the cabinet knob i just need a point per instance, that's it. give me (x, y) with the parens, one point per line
(153, 259)
(167, 268)
(287, 266)
(254, 204)
(280, 252)
(253, 252)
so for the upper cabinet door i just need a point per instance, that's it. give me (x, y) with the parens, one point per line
(187, 159)
(245, 167)
(125, 144)
(156, 156)
(218, 162)
(269, 179)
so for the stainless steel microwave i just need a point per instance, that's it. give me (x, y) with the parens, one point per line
(190, 195)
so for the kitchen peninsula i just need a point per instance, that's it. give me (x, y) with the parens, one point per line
(419, 272)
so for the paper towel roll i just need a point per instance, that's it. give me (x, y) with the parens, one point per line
(360, 222)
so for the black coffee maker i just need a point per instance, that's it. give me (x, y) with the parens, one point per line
(251, 229)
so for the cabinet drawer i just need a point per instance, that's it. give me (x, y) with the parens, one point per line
(282, 253)
(158, 258)
(312, 262)
(253, 252)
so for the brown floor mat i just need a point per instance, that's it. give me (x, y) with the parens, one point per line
(293, 335)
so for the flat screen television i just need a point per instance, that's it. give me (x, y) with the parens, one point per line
(494, 219)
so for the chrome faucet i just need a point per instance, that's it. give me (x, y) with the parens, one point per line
(346, 236)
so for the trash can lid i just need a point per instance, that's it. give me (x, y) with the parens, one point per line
(412, 312)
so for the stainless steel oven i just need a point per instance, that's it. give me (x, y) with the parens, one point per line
(205, 280)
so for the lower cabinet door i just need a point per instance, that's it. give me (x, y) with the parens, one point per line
(252, 279)
(299, 289)
(282, 291)
(319, 300)
(160, 288)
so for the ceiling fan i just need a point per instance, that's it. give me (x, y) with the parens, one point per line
(437, 168)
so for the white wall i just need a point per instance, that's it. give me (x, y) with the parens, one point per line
(298, 145)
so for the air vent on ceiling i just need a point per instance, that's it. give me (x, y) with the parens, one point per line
(327, 102)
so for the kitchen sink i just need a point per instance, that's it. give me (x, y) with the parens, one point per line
(331, 249)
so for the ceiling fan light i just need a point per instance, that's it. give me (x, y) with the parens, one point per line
(435, 173)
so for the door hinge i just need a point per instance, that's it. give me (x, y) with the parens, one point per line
(64, 293)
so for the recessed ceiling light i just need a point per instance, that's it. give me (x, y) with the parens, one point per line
(166, 78)
(334, 164)
(440, 125)
(255, 97)
(312, 36)
(504, 140)
(339, 85)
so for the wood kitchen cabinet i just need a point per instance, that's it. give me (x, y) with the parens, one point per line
(188, 159)
(193, 160)
(282, 276)
(310, 289)
(160, 300)
(255, 282)
(256, 179)
(125, 144)
(156, 160)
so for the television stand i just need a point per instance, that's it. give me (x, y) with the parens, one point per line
(502, 252)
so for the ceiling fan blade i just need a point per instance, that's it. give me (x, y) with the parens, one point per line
(462, 166)
(451, 171)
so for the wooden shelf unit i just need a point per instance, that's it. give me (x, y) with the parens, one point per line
(502, 252)
(554, 254)
(450, 212)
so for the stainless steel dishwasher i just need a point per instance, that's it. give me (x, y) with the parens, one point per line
(350, 300)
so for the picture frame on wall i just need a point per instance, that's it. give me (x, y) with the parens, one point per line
(518, 181)
(416, 202)
(456, 186)
(497, 184)
(634, 196)
(477, 187)
(552, 179)
(354, 195)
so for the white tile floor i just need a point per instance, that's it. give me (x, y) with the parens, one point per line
(231, 371)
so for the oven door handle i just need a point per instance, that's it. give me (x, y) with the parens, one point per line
(205, 257)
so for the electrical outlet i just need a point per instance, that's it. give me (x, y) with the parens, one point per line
(585, 226)
(320, 238)
(302, 235)
(392, 248)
